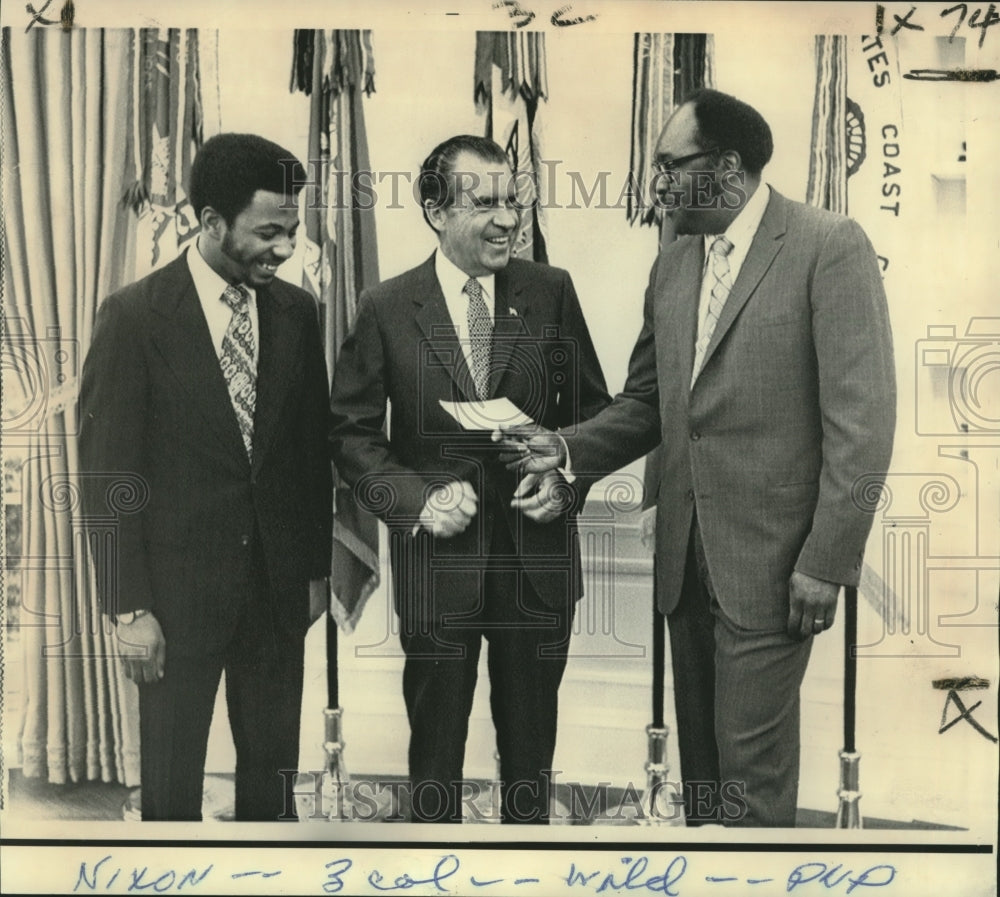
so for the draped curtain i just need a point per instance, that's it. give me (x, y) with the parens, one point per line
(71, 104)
(828, 164)
(67, 242)
(337, 69)
(509, 81)
(666, 68)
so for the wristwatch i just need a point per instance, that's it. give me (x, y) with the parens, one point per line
(130, 616)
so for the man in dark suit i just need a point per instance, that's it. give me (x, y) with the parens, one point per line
(470, 323)
(765, 366)
(206, 379)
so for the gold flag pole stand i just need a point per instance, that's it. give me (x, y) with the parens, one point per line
(337, 796)
(336, 791)
(848, 811)
(660, 803)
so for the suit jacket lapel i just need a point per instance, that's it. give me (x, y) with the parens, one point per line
(677, 311)
(512, 310)
(766, 245)
(276, 363)
(181, 332)
(434, 320)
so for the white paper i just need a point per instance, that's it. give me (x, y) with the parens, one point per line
(486, 415)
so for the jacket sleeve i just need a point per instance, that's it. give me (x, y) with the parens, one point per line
(857, 398)
(113, 421)
(630, 426)
(361, 451)
(587, 392)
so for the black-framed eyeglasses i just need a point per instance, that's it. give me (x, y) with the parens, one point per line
(664, 167)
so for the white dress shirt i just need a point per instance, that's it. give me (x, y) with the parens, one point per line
(453, 280)
(210, 287)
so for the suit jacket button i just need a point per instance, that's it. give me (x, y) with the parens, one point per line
(244, 540)
(695, 435)
(690, 494)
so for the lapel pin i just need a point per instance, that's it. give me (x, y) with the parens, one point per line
(513, 312)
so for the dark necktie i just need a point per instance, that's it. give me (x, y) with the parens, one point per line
(238, 362)
(480, 337)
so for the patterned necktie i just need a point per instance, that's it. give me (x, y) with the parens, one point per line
(480, 337)
(238, 361)
(721, 285)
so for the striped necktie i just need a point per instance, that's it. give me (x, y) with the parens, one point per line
(238, 361)
(480, 337)
(722, 284)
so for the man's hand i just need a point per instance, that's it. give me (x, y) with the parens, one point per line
(142, 649)
(543, 497)
(319, 598)
(449, 509)
(812, 605)
(529, 448)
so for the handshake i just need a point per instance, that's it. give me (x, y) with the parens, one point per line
(542, 495)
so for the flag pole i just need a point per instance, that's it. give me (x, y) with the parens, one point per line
(332, 663)
(848, 812)
(331, 798)
(337, 782)
(659, 805)
(337, 791)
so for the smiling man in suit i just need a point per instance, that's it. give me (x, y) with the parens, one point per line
(206, 379)
(764, 368)
(470, 323)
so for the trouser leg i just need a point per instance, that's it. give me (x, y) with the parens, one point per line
(439, 682)
(758, 678)
(528, 645)
(175, 715)
(264, 698)
(737, 702)
(692, 653)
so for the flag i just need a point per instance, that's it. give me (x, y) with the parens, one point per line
(509, 82)
(666, 68)
(337, 69)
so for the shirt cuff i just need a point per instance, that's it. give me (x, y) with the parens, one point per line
(567, 469)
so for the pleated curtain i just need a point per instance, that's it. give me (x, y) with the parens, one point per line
(73, 103)
(68, 241)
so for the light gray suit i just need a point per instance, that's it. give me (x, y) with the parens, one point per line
(795, 402)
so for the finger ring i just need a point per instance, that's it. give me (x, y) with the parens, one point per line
(819, 622)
